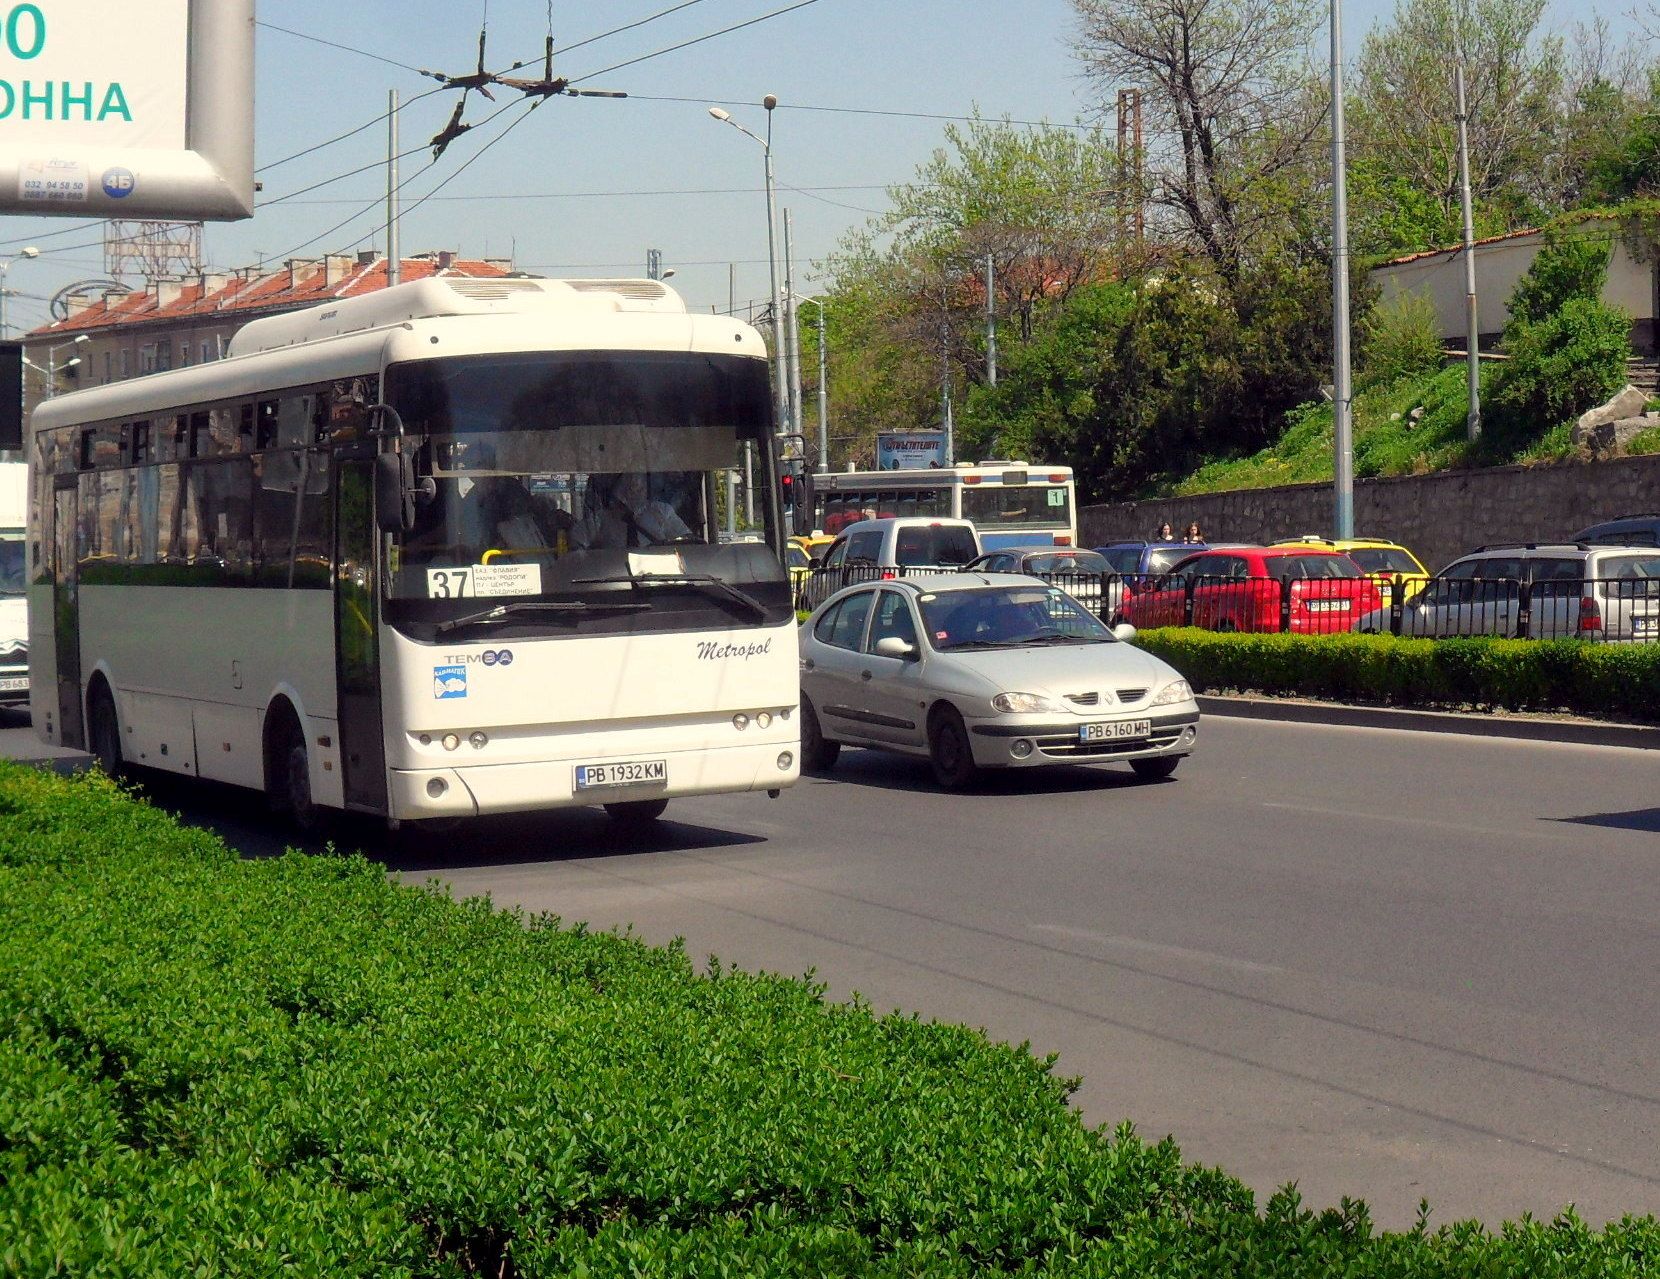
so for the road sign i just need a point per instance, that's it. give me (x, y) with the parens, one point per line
(119, 110)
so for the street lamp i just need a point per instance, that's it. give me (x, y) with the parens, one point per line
(781, 404)
(5, 266)
(53, 368)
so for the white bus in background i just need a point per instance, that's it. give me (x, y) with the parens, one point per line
(1010, 503)
(14, 619)
(444, 550)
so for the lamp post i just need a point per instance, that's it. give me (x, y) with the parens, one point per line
(5, 266)
(73, 362)
(1343, 497)
(780, 389)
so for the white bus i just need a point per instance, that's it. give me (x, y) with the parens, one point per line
(1010, 503)
(14, 621)
(443, 550)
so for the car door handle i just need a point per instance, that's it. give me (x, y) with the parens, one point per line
(808, 664)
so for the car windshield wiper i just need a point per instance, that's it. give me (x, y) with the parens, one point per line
(505, 612)
(957, 648)
(1060, 639)
(722, 588)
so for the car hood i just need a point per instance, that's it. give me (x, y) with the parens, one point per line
(1061, 669)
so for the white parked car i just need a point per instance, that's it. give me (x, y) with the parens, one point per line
(871, 549)
(985, 670)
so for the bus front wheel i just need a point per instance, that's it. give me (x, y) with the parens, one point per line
(636, 814)
(288, 778)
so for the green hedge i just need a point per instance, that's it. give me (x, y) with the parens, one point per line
(212, 1067)
(1539, 675)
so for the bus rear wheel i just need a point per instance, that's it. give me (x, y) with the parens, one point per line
(636, 814)
(104, 730)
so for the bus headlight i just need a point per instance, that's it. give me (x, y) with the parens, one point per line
(479, 741)
(785, 759)
(436, 786)
(451, 742)
(763, 720)
(740, 721)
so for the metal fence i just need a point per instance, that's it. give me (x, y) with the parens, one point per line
(1624, 609)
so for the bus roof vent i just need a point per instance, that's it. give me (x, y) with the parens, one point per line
(633, 290)
(488, 290)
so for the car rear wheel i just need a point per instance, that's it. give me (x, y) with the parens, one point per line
(949, 751)
(1155, 770)
(817, 754)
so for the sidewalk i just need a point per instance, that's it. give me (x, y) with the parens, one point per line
(1534, 728)
(19, 743)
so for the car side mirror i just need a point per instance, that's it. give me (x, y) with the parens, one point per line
(893, 646)
(814, 561)
(1123, 632)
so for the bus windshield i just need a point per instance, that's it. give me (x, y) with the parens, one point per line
(1024, 506)
(562, 475)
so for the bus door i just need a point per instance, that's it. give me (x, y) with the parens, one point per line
(66, 610)
(357, 636)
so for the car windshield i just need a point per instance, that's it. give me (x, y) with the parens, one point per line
(1383, 559)
(1310, 566)
(11, 561)
(1008, 617)
(1161, 559)
(1068, 562)
(945, 544)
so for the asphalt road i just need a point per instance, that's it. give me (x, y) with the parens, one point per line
(1378, 963)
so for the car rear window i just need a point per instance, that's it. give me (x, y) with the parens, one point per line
(1630, 577)
(1383, 559)
(1310, 566)
(1161, 560)
(1068, 562)
(949, 544)
(1126, 559)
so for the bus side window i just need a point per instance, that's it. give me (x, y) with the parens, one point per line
(221, 494)
(292, 529)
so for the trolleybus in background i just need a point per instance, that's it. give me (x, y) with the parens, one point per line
(1010, 503)
(14, 622)
(442, 550)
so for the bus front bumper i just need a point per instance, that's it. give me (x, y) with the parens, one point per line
(476, 790)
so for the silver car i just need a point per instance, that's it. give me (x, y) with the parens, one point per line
(1574, 591)
(985, 670)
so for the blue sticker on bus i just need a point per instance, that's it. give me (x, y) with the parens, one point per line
(449, 681)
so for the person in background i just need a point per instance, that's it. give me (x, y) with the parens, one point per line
(1165, 533)
(1192, 533)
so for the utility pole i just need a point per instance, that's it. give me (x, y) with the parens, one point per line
(1472, 331)
(823, 395)
(792, 330)
(1342, 395)
(945, 396)
(991, 324)
(394, 254)
(654, 264)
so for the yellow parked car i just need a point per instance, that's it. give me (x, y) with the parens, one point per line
(1380, 560)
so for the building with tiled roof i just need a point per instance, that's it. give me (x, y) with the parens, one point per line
(174, 322)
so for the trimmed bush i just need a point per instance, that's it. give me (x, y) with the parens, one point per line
(217, 1067)
(1534, 675)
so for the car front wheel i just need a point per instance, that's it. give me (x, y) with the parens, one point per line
(817, 754)
(949, 751)
(1155, 770)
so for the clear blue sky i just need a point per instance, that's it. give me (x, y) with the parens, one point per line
(565, 191)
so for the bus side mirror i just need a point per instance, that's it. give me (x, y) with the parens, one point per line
(394, 492)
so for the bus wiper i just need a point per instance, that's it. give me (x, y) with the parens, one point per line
(723, 588)
(502, 612)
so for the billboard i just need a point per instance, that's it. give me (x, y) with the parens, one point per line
(128, 109)
(909, 450)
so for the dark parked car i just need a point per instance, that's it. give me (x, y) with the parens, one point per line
(1626, 530)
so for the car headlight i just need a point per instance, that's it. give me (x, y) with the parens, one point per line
(1021, 703)
(1177, 691)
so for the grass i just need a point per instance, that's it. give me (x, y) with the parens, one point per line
(1387, 440)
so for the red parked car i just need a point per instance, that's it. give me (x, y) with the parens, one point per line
(1247, 588)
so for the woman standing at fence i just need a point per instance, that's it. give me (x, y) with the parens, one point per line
(1192, 534)
(1164, 533)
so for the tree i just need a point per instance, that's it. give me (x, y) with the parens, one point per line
(1235, 109)
(1405, 116)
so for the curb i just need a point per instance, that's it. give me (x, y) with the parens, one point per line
(1577, 732)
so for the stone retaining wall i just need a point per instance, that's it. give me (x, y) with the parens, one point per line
(1440, 516)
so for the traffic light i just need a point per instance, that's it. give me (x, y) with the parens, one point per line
(788, 486)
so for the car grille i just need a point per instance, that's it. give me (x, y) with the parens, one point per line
(1068, 746)
(1130, 696)
(15, 657)
(1084, 699)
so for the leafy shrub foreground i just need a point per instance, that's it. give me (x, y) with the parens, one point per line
(217, 1067)
(1535, 675)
